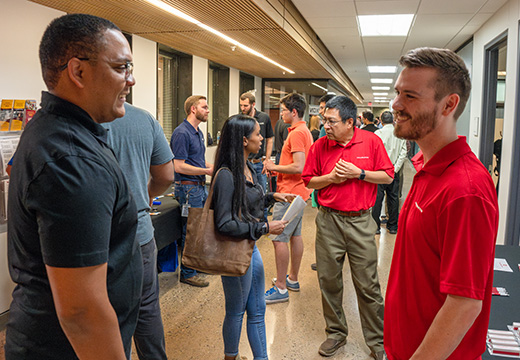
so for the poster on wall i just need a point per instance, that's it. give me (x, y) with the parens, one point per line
(6, 114)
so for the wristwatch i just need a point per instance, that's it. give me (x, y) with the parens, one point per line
(265, 229)
(362, 175)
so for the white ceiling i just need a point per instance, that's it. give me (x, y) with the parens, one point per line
(437, 23)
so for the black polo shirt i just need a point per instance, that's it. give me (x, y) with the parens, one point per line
(266, 129)
(69, 206)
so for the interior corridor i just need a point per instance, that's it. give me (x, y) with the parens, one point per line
(193, 316)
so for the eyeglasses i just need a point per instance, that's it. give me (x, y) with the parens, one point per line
(127, 66)
(331, 123)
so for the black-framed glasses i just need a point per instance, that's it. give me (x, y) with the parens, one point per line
(127, 66)
(331, 123)
(63, 67)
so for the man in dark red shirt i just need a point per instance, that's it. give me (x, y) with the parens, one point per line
(346, 166)
(439, 289)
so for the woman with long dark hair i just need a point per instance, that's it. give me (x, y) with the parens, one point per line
(238, 203)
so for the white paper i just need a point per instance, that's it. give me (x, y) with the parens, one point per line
(294, 209)
(502, 265)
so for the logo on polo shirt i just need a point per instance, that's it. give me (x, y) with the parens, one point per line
(363, 157)
(418, 207)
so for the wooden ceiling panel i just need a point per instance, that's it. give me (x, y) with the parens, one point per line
(242, 20)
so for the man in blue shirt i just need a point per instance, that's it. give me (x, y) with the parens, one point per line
(191, 168)
(146, 161)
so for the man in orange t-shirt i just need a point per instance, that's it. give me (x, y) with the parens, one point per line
(292, 161)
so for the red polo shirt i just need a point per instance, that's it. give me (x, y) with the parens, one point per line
(445, 245)
(366, 151)
(298, 140)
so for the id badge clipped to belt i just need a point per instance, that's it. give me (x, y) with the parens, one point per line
(185, 209)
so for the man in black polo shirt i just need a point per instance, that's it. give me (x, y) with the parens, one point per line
(368, 122)
(72, 221)
(247, 107)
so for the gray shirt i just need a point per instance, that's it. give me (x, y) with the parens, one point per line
(138, 142)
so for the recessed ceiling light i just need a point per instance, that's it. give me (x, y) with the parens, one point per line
(380, 87)
(381, 81)
(319, 86)
(234, 43)
(380, 94)
(385, 25)
(382, 69)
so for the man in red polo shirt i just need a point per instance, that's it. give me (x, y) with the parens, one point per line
(439, 290)
(292, 160)
(346, 167)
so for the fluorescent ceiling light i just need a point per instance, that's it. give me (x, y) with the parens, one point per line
(380, 87)
(380, 98)
(319, 86)
(501, 73)
(186, 17)
(381, 81)
(382, 69)
(381, 101)
(380, 94)
(385, 25)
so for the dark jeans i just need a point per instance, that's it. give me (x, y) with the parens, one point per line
(196, 196)
(392, 199)
(149, 333)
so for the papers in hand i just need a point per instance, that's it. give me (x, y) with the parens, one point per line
(294, 209)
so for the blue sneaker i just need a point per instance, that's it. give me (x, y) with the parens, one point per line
(295, 286)
(273, 296)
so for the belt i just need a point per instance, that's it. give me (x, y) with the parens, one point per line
(187, 182)
(256, 161)
(345, 213)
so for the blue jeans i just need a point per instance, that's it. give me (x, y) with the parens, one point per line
(196, 196)
(262, 180)
(246, 294)
(149, 333)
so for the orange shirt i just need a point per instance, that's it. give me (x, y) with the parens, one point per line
(298, 140)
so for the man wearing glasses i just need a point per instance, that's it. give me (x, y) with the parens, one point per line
(292, 160)
(346, 167)
(72, 221)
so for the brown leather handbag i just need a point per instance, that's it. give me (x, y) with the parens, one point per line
(209, 251)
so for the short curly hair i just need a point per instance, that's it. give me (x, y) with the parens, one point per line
(68, 36)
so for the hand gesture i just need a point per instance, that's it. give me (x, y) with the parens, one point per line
(269, 165)
(347, 170)
(281, 197)
(277, 227)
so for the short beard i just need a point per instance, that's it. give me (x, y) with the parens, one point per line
(199, 116)
(418, 126)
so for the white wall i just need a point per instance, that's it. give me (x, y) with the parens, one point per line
(144, 93)
(506, 19)
(22, 24)
(234, 91)
(464, 120)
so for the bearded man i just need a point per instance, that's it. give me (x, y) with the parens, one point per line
(439, 290)
(191, 168)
